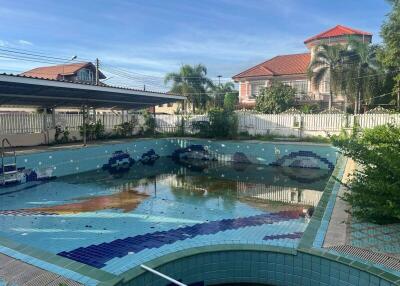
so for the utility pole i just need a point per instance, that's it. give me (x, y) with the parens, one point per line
(219, 79)
(97, 71)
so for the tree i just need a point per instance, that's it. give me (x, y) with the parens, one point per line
(390, 55)
(275, 98)
(360, 59)
(374, 188)
(219, 91)
(325, 66)
(231, 100)
(192, 82)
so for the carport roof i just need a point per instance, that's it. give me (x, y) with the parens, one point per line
(30, 91)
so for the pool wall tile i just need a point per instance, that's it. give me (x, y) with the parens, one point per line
(258, 267)
(71, 161)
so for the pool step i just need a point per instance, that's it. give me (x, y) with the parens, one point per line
(8, 173)
(10, 165)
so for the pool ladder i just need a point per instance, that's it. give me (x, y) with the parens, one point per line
(9, 169)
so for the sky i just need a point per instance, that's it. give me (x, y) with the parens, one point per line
(149, 38)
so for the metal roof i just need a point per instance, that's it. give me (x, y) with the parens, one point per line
(30, 91)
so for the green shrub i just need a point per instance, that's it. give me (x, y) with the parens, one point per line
(202, 128)
(223, 123)
(61, 132)
(309, 108)
(93, 130)
(276, 98)
(149, 123)
(374, 188)
(231, 100)
(124, 129)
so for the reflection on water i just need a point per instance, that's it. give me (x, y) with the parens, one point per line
(258, 185)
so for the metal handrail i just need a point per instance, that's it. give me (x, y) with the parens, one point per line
(3, 146)
(176, 282)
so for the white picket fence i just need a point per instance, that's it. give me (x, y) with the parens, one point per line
(22, 123)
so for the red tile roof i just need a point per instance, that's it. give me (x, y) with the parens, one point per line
(55, 72)
(83, 83)
(279, 65)
(337, 31)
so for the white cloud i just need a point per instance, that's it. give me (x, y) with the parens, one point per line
(3, 43)
(25, 43)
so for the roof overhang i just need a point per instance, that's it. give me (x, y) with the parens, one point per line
(26, 91)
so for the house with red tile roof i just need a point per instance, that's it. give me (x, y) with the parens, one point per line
(84, 72)
(292, 70)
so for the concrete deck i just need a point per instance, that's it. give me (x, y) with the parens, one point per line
(338, 229)
(17, 273)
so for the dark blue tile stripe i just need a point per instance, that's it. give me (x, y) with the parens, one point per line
(98, 255)
(281, 161)
(292, 235)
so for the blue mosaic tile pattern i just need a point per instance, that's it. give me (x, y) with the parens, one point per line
(72, 161)
(98, 255)
(96, 239)
(298, 160)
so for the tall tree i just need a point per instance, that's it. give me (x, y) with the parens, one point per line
(325, 66)
(360, 60)
(390, 55)
(192, 82)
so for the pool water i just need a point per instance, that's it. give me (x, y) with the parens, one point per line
(115, 221)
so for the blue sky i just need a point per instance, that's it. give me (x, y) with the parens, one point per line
(152, 37)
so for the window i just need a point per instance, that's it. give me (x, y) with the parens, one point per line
(85, 75)
(324, 86)
(301, 87)
(256, 86)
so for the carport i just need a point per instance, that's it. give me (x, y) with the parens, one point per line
(44, 93)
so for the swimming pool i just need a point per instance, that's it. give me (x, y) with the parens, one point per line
(114, 207)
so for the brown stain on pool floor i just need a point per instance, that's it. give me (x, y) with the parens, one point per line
(126, 200)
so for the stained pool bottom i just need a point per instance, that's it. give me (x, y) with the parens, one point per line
(101, 213)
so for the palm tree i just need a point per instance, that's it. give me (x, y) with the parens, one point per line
(326, 64)
(191, 81)
(362, 64)
(218, 92)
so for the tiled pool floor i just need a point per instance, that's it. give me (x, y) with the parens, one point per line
(116, 221)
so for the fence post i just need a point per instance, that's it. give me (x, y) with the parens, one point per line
(53, 118)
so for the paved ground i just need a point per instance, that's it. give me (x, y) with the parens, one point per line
(368, 241)
(17, 273)
(338, 229)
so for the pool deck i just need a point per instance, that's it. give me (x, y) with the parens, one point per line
(339, 237)
(338, 229)
(16, 272)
